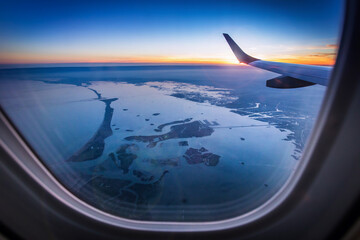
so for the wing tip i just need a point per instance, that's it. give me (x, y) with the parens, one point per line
(239, 53)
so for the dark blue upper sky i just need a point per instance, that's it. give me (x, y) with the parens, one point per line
(111, 31)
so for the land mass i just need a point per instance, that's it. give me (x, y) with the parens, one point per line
(202, 155)
(160, 127)
(186, 130)
(95, 146)
(120, 195)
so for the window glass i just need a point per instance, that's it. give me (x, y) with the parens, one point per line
(141, 109)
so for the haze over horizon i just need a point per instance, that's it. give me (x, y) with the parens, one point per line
(168, 32)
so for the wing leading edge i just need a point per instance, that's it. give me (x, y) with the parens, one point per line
(292, 75)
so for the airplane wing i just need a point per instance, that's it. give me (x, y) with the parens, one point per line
(292, 75)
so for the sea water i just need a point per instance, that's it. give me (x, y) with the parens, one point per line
(257, 136)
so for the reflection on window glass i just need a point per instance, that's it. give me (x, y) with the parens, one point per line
(142, 110)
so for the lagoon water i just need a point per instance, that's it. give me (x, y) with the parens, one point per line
(163, 143)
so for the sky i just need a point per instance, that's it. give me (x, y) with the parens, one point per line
(169, 31)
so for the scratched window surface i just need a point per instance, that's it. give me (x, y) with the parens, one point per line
(149, 123)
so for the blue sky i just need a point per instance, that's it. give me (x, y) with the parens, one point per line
(166, 31)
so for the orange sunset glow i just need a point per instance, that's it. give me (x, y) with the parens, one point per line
(324, 60)
(25, 58)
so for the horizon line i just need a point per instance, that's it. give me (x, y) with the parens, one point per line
(295, 61)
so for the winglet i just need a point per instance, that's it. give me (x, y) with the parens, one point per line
(240, 54)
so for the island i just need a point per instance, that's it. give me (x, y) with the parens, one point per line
(160, 127)
(186, 130)
(202, 155)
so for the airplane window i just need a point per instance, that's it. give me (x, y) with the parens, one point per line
(180, 111)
